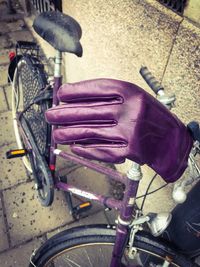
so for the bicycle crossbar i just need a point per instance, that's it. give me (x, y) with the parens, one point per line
(92, 165)
(106, 201)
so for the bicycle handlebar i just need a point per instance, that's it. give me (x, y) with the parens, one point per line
(151, 80)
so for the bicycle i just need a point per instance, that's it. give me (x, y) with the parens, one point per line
(103, 245)
(127, 244)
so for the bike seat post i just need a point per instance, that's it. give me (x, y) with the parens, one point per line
(58, 64)
(56, 86)
(57, 76)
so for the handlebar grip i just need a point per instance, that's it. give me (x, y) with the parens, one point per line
(151, 80)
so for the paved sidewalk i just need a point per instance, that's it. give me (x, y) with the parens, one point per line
(24, 223)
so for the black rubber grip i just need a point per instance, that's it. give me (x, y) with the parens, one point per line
(151, 80)
(194, 129)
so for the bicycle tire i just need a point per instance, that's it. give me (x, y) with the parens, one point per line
(28, 81)
(74, 246)
(41, 171)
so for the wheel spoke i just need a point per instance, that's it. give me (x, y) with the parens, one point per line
(88, 258)
(98, 255)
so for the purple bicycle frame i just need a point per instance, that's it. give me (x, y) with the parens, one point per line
(125, 207)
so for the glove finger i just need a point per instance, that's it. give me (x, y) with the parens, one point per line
(89, 136)
(104, 153)
(78, 115)
(93, 91)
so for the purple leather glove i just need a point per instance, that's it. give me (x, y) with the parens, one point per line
(111, 120)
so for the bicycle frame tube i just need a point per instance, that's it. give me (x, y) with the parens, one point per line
(125, 207)
(106, 201)
(57, 84)
(126, 214)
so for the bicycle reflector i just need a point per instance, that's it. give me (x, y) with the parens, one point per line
(11, 55)
(16, 153)
(83, 207)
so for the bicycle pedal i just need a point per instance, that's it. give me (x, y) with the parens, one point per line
(16, 153)
(83, 207)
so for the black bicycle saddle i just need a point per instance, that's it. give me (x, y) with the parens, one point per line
(60, 30)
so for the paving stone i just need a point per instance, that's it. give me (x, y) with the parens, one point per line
(20, 256)
(27, 218)
(3, 7)
(3, 103)
(12, 171)
(4, 59)
(16, 25)
(7, 132)
(4, 74)
(8, 95)
(10, 13)
(5, 42)
(4, 239)
(21, 36)
(3, 27)
(18, 6)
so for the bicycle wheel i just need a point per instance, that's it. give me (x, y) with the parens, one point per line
(30, 127)
(91, 246)
(28, 82)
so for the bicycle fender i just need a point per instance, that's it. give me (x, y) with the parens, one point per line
(12, 66)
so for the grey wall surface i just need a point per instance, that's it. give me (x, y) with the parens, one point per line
(120, 36)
